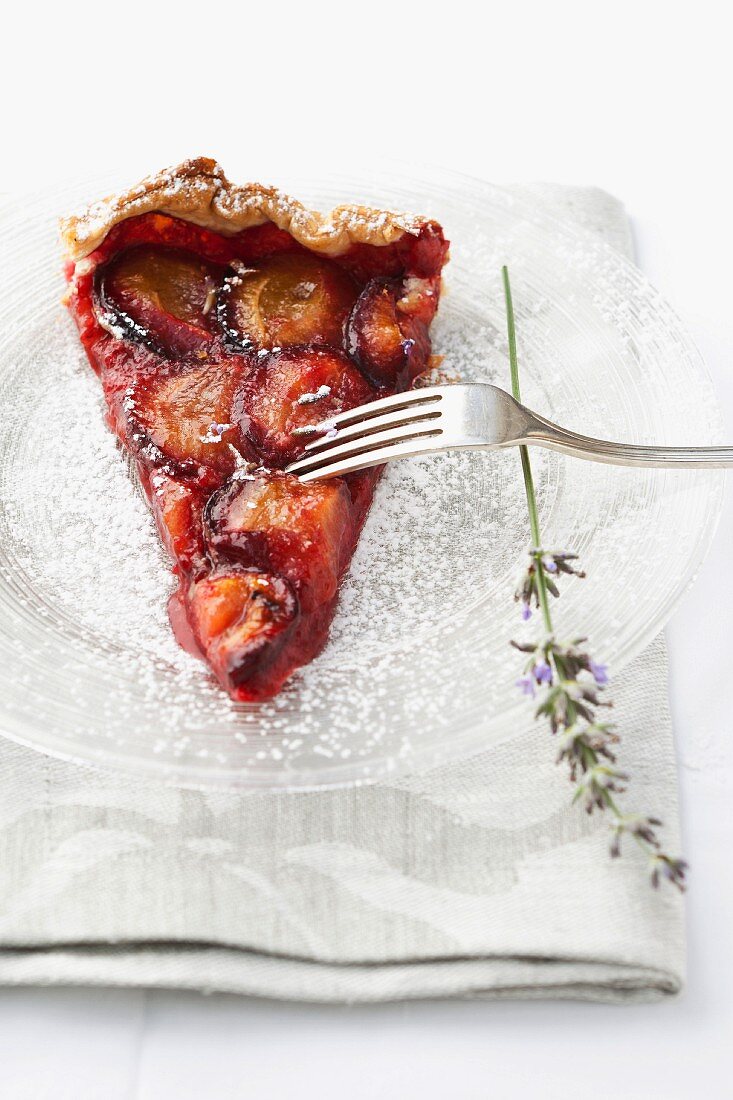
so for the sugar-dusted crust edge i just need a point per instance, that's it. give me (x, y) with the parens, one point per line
(198, 191)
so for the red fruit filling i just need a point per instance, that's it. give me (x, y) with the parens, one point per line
(184, 420)
(160, 297)
(387, 330)
(301, 532)
(374, 336)
(294, 389)
(201, 366)
(289, 298)
(242, 620)
(177, 507)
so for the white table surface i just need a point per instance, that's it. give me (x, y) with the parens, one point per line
(634, 98)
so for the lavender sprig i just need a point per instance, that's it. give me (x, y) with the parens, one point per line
(552, 564)
(569, 683)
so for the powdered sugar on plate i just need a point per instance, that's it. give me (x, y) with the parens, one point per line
(418, 667)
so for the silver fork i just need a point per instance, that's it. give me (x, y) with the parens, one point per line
(474, 415)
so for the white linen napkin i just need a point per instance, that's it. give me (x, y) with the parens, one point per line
(477, 878)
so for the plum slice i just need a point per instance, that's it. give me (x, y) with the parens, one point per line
(294, 388)
(374, 337)
(387, 329)
(177, 508)
(286, 299)
(184, 420)
(242, 619)
(275, 523)
(160, 297)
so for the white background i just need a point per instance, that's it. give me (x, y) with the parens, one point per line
(634, 97)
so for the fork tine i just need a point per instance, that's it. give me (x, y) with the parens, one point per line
(421, 443)
(427, 396)
(337, 453)
(363, 429)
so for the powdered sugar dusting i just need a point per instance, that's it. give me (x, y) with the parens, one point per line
(84, 542)
(418, 666)
(79, 527)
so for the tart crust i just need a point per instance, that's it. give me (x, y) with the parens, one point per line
(258, 556)
(198, 191)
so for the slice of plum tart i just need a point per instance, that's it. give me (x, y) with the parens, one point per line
(222, 320)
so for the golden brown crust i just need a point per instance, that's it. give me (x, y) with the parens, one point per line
(199, 192)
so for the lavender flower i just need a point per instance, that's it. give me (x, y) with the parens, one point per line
(672, 869)
(526, 685)
(599, 673)
(570, 683)
(541, 564)
(542, 673)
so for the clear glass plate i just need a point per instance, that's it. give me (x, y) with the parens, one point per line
(418, 668)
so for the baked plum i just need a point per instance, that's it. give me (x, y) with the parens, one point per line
(294, 388)
(388, 327)
(242, 619)
(374, 337)
(275, 523)
(185, 420)
(286, 299)
(160, 297)
(177, 507)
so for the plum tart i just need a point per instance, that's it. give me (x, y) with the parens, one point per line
(222, 321)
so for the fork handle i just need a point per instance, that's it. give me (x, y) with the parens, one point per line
(544, 433)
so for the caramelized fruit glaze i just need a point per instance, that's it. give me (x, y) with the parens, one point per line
(213, 351)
